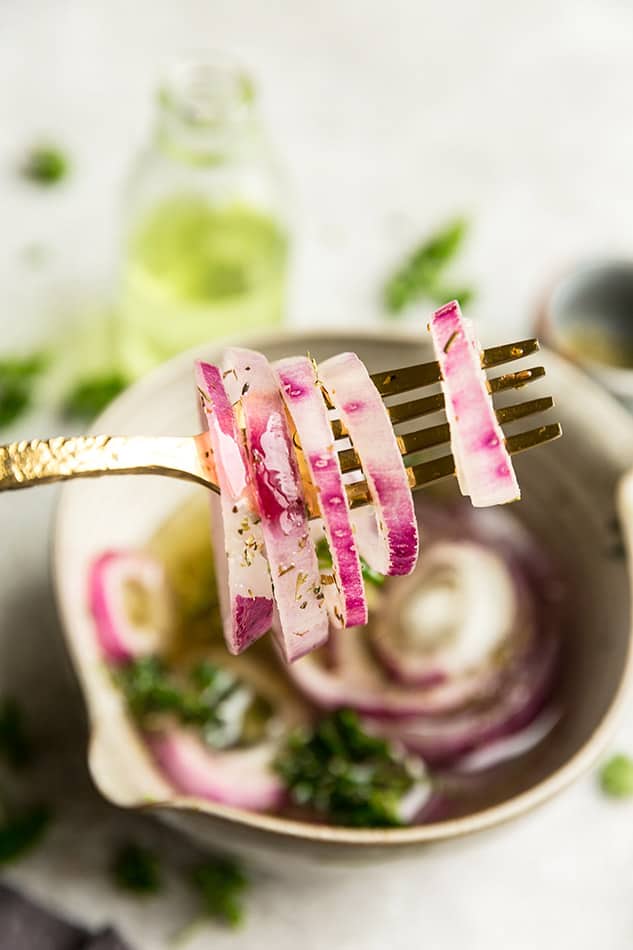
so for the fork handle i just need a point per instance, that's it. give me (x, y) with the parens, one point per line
(24, 464)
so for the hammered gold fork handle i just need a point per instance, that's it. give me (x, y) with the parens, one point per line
(23, 464)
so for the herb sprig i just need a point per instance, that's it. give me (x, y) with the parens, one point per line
(150, 689)
(340, 771)
(616, 777)
(22, 829)
(45, 165)
(15, 744)
(221, 884)
(137, 869)
(17, 379)
(90, 396)
(422, 273)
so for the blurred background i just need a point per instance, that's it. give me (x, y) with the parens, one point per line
(351, 135)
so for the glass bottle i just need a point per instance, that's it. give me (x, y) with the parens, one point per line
(206, 238)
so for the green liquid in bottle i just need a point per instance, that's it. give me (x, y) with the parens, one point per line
(196, 271)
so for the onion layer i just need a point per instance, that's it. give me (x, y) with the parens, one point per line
(483, 463)
(130, 605)
(242, 778)
(521, 697)
(291, 553)
(302, 395)
(488, 687)
(450, 616)
(244, 584)
(393, 548)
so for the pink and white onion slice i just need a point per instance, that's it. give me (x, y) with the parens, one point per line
(470, 706)
(294, 568)
(302, 395)
(242, 778)
(244, 586)
(118, 582)
(449, 618)
(511, 746)
(483, 463)
(520, 699)
(356, 681)
(393, 548)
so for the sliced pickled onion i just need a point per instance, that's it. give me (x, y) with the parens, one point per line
(457, 609)
(130, 604)
(393, 548)
(244, 586)
(483, 463)
(294, 567)
(302, 395)
(511, 746)
(352, 678)
(242, 778)
(521, 698)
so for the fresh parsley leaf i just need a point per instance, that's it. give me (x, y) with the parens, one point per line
(616, 777)
(21, 831)
(324, 556)
(147, 687)
(17, 377)
(45, 165)
(419, 275)
(370, 575)
(221, 884)
(90, 396)
(15, 745)
(137, 869)
(151, 689)
(340, 771)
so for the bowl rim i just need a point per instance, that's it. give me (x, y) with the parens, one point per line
(289, 828)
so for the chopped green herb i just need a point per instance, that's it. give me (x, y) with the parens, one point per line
(17, 377)
(324, 556)
(616, 777)
(197, 700)
(45, 165)
(370, 575)
(90, 396)
(345, 774)
(22, 830)
(221, 884)
(137, 869)
(420, 274)
(15, 745)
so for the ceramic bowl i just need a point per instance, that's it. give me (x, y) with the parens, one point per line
(568, 501)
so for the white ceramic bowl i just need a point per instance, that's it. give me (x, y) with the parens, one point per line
(569, 501)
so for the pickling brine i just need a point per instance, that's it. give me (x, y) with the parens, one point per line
(206, 236)
(195, 271)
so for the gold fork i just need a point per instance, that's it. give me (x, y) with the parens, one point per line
(36, 462)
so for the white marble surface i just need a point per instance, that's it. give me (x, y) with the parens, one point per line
(391, 116)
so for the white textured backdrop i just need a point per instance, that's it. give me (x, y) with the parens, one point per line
(390, 116)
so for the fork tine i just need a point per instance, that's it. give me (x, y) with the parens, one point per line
(500, 384)
(426, 472)
(527, 440)
(403, 412)
(522, 409)
(406, 411)
(436, 435)
(392, 382)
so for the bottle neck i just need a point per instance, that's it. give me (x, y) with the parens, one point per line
(206, 112)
